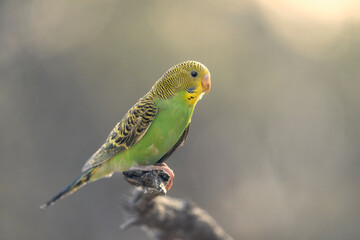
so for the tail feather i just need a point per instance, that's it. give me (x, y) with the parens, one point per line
(73, 187)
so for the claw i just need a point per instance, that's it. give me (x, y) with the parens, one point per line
(158, 167)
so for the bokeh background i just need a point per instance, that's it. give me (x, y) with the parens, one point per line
(273, 151)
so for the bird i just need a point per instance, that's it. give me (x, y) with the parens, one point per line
(151, 130)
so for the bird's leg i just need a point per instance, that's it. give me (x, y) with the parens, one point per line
(144, 175)
(158, 166)
(165, 167)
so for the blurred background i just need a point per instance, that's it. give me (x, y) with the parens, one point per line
(273, 151)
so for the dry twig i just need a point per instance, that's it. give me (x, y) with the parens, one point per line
(164, 217)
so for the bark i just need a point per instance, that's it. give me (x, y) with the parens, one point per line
(164, 217)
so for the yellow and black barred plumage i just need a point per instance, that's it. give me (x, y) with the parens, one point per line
(174, 80)
(127, 132)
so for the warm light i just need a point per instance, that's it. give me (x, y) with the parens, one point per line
(307, 26)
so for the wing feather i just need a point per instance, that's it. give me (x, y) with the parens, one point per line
(126, 133)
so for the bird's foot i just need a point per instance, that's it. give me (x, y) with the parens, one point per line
(153, 176)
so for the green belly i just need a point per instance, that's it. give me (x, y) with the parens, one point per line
(172, 118)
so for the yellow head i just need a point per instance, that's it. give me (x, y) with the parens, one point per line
(191, 78)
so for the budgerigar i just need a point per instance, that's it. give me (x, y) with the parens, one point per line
(152, 129)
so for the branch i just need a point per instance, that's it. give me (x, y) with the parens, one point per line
(167, 218)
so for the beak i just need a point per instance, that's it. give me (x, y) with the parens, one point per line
(205, 83)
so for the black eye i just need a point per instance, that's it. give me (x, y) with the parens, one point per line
(194, 74)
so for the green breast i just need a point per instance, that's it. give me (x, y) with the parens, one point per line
(172, 118)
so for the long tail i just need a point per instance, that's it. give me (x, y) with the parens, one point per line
(73, 187)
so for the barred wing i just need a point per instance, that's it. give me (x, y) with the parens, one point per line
(126, 133)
